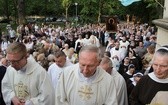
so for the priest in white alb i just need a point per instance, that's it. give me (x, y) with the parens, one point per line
(85, 83)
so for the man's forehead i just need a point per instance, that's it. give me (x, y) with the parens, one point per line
(60, 58)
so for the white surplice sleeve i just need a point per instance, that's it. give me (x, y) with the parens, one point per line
(7, 89)
(60, 94)
(46, 92)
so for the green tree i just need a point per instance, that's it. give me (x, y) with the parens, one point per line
(4, 4)
(92, 10)
(89, 11)
(66, 4)
(21, 11)
(156, 7)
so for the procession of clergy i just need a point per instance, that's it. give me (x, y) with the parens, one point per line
(129, 72)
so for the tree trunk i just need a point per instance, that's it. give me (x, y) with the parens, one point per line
(16, 12)
(66, 16)
(21, 11)
(66, 13)
(100, 11)
(6, 8)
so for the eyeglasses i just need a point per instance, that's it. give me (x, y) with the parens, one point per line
(15, 61)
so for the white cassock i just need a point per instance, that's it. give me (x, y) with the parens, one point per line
(74, 89)
(124, 44)
(86, 42)
(54, 72)
(121, 88)
(119, 53)
(30, 84)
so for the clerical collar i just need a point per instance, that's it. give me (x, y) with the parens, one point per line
(23, 69)
(89, 79)
(153, 77)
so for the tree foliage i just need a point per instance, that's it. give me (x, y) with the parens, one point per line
(88, 10)
(66, 4)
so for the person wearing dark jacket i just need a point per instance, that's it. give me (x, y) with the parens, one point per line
(153, 88)
(2, 73)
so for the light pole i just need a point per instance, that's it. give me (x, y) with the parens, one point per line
(76, 18)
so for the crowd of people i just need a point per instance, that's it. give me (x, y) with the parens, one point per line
(52, 65)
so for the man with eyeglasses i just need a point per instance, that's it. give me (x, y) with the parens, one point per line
(153, 88)
(25, 81)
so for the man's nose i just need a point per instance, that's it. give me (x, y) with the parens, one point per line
(85, 69)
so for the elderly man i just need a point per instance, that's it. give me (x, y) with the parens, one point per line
(154, 84)
(107, 65)
(25, 81)
(85, 83)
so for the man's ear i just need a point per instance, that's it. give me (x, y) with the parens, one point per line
(27, 55)
(100, 61)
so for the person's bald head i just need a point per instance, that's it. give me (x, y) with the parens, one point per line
(106, 64)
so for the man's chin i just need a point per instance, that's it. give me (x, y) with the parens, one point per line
(160, 77)
(17, 69)
(86, 76)
(60, 66)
